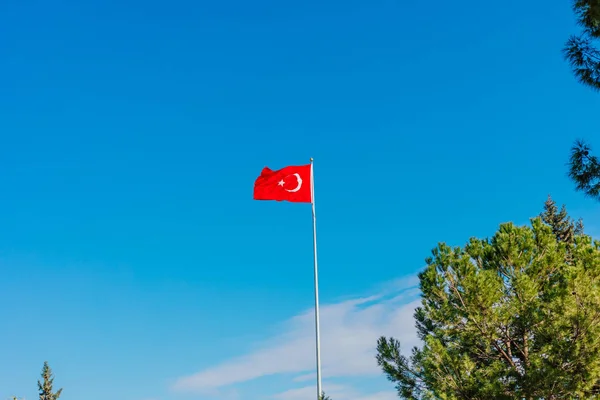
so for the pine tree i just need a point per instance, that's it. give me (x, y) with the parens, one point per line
(45, 387)
(584, 170)
(562, 225)
(580, 50)
(505, 318)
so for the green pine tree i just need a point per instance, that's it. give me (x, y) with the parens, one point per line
(324, 396)
(582, 50)
(45, 387)
(505, 318)
(562, 225)
(584, 170)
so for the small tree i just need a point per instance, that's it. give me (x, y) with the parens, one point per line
(562, 225)
(516, 316)
(584, 170)
(45, 387)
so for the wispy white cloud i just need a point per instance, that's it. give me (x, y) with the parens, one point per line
(349, 331)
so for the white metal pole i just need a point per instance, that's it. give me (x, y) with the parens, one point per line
(317, 327)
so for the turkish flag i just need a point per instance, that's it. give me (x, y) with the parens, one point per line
(287, 184)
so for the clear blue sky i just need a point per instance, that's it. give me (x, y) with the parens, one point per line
(131, 132)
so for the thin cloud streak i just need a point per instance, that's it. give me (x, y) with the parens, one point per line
(349, 331)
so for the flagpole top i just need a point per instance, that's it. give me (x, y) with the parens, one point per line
(311, 159)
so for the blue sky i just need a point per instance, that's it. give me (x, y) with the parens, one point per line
(132, 256)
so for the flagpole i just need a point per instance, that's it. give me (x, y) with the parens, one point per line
(317, 325)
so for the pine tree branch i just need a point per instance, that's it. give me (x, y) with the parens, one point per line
(584, 170)
(584, 60)
(483, 332)
(588, 16)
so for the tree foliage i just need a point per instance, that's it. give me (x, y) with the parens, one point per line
(580, 50)
(583, 54)
(45, 387)
(584, 170)
(516, 316)
(563, 227)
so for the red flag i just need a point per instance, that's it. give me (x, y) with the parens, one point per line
(287, 184)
